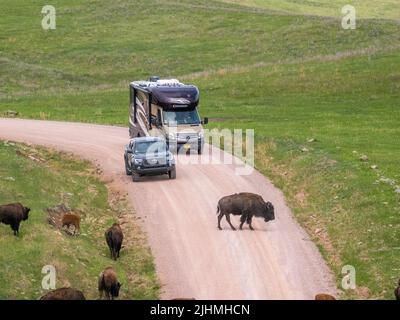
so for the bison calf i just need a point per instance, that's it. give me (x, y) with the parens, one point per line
(114, 238)
(12, 214)
(109, 284)
(70, 219)
(397, 292)
(247, 205)
(64, 294)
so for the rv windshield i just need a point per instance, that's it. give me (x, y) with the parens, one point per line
(181, 117)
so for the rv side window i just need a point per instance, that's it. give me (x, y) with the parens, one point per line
(159, 117)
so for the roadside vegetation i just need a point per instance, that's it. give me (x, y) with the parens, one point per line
(319, 98)
(40, 179)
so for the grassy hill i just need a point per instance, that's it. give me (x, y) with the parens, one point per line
(41, 179)
(386, 9)
(291, 77)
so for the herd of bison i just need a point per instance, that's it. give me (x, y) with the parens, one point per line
(247, 205)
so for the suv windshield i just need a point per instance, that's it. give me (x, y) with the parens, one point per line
(150, 146)
(181, 117)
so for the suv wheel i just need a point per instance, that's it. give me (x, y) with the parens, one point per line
(172, 173)
(127, 170)
(135, 177)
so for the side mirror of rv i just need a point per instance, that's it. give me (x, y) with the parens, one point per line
(205, 120)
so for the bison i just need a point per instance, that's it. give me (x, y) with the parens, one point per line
(12, 214)
(109, 284)
(114, 238)
(246, 205)
(397, 292)
(70, 219)
(64, 294)
(324, 296)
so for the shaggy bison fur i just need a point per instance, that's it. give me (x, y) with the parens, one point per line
(12, 214)
(64, 294)
(247, 205)
(114, 238)
(109, 284)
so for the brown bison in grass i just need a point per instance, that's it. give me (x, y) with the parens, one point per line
(12, 214)
(247, 205)
(109, 284)
(324, 296)
(114, 238)
(397, 292)
(64, 294)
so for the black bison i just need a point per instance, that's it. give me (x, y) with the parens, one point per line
(324, 296)
(12, 214)
(114, 238)
(71, 219)
(109, 284)
(64, 294)
(246, 205)
(397, 292)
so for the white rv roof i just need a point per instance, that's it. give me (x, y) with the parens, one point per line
(159, 83)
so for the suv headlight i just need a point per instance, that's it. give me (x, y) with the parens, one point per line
(138, 161)
(170, 158)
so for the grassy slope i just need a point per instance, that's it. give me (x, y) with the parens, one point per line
(289, 77)
(386, 9)
(78, 260)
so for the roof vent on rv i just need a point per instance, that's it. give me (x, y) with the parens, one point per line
(154, 78)
(168, 82)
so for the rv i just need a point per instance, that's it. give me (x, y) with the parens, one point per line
(166, 108)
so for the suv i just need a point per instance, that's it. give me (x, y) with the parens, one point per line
(148, 156)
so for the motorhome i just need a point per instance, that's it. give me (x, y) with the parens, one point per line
(167, 108)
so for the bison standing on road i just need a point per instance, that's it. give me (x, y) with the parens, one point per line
(12, 214)
(109, 284)
(114, 238)
(246, 205)
(64, 294)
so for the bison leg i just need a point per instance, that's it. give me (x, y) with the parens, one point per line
(229, 221)
(249, 220)
(219, 220)
(243, 219)
(15, 228)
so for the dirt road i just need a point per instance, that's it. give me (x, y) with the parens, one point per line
(193, 258)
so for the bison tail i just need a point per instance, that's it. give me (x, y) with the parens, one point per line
(218, 209)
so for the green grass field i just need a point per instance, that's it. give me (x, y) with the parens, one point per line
(59, 178)
(388, 9)
(290, 75)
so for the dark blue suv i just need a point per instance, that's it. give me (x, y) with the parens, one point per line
(148, 156)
